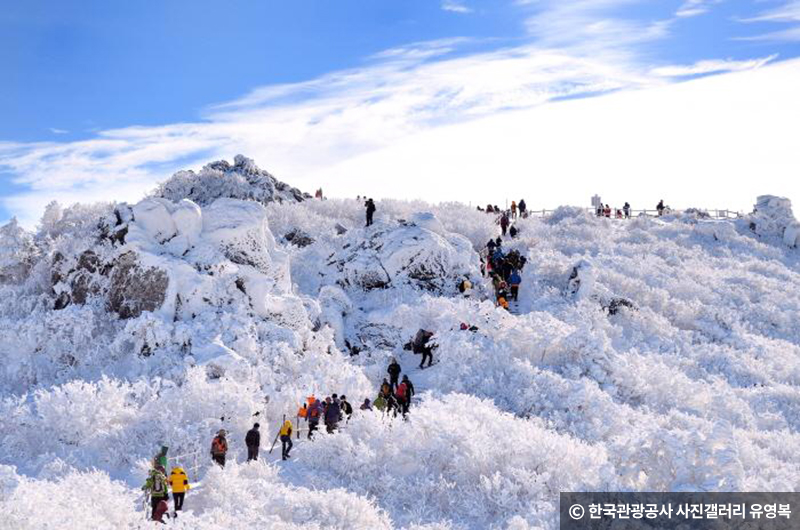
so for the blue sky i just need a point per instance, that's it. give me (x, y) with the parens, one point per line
(86, 82)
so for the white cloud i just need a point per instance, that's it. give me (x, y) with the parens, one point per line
(295, 130)
(455, 6)
(58, 131)
(693, 8)
(419, 121)
(711, 66)
(592, 26)
(786, 13)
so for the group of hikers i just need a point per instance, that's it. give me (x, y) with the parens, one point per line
(504, 269)
(158, 485)
(604, 210)
(520, 209)
(395, 394)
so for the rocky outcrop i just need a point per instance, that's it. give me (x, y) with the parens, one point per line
(241, 180)
(135, 288)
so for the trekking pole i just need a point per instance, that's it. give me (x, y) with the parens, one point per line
(277, 435)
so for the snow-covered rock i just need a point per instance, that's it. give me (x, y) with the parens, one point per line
(217, 180)
(773, 217)
(670, 363)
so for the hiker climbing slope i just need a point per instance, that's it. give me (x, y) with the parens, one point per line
(179, 484)
(286, 439)
(253, 440)
(394, 373)
(156, 487)
(219, 448)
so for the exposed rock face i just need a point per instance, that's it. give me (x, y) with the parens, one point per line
(134, 288)
(242, 180)
(298, 238)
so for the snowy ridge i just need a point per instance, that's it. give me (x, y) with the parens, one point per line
(124, 327)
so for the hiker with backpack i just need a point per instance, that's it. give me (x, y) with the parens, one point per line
(660, 207)
(421, 346)
(514, 280)
(219, 448)
(394, 373)
(347, 408)
(406, 394)
(179, 484)
(370, 205)
(513, 210)
(315, 412)
(504, 223)
(156, 487)
(523, 208)
(286, 439)
(253, 440)
(626, 209)
(332, 415)
(401, 395)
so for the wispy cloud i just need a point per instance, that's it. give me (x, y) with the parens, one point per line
(58, 131)
(693, 8)
(297, 129)
(787, 14)
(711, 67)
(455, 6)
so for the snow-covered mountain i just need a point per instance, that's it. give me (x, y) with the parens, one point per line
(649, 354)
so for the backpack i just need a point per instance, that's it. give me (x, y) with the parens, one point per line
(401, 390)
(159, 486)
(218, 446)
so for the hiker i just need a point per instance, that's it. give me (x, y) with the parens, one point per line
(394, 373)
(161, 457)
(626, 209)
(370, 205)
(160, 511)
(489, 208)
(523, 208)
(490, 247)
(219, 448)
(401, 395)
(502, 302)
(347, 408)
(618, 213)
(514, 280)
(502, 291)
(409, 392)
(607, 211)
(421, 346)
(380, 402)
(286, 439)
(660, 207)
(504, 223)
(315, 411)
(253, 440)
(366, 405)
(386, 388)
(513, 210)
(513, 231)
(332, 415)
(156, 487)
(179, 484)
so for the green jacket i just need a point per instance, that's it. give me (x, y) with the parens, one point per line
(156, 484)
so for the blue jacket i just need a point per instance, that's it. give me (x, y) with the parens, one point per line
(515, 278)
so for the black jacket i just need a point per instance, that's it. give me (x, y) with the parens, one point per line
(394, 370)
(253, 438)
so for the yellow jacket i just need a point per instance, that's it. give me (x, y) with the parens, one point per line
(178, 480)
(286, 430)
